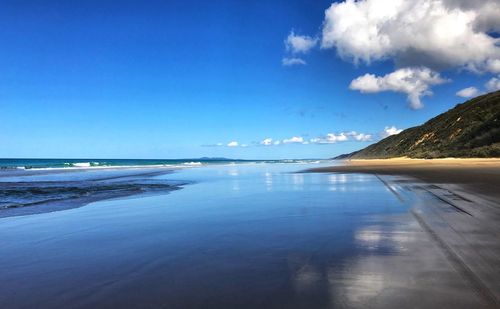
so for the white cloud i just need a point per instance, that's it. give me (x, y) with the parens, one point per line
(232, 144)
(292, 61)
(299, 43)
(295, 139)
(329, 138)
(213, 145)
(361, 137)
(267, 142)
(332, 138)
(388, 131)
(432, 33)
(415, 82)
(493, 84)
(468, 92)
(494, 65)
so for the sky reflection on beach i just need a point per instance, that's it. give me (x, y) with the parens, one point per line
(246, 236)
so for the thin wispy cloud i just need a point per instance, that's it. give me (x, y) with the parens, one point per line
(293, 140)
(332, 138)
(213, 145)
(230, 144)
(292, 61)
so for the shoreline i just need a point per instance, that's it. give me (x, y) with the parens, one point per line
(259, 223)
(14, 172)
(476, 176)
(62, 192)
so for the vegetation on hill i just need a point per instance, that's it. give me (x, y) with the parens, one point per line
(470, 129)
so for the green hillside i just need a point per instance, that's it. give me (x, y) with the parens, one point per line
(470, 129)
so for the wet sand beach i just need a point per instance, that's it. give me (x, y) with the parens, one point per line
(257, 236)
(479, 176)
(465, 223)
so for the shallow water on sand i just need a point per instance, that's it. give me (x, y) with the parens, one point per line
(246, 236)
(26, 193)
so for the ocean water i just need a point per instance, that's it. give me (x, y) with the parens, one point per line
(233, 236)
(88, 163)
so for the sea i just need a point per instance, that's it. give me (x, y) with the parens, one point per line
(22, 163)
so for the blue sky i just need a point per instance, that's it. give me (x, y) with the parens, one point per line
(130, 79)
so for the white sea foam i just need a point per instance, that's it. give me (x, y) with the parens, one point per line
(81, 164)
(192, 163)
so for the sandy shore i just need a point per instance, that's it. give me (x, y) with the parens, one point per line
(479, 176)
(258, 236)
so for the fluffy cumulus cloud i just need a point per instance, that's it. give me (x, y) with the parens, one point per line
(432, 33)
(292, 61)
(493, 84)
(421, 37)
(233, 144)
(468, 92)
(415, 82)
(388, 131)
(297, 44)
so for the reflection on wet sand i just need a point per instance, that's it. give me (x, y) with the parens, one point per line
(238, 237)
(269, 181)
(297, 181)
(397, 266)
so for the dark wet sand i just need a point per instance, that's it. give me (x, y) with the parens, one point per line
(465, 225)
(478, 176)
(259, 236)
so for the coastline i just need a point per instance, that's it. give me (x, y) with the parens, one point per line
(50, 189)
(18, 172)
(42, 191)
(475, 176)
(256, 224)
